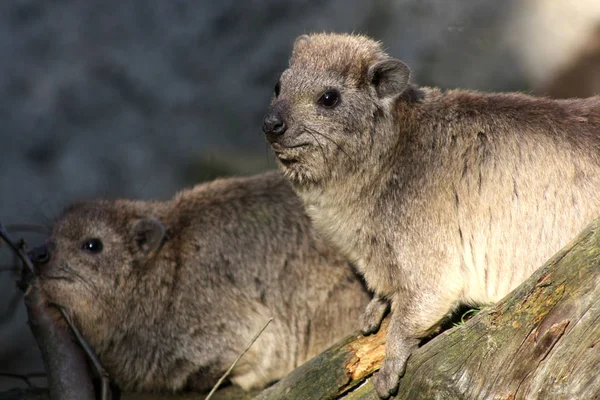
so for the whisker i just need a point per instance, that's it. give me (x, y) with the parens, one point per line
(330, 139)
(57, 278)
(319, 143)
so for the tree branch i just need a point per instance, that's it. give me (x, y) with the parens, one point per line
(538, 342)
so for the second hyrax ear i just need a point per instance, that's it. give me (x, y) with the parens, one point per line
(150, 235)
(389, 77)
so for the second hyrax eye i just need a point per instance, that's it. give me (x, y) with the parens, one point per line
(329, 99)
(93, 246)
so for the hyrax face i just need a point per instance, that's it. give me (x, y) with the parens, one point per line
(87, 264)
(327, 105)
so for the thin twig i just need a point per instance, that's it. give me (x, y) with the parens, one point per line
(95, 362)
(25, 377)
(17, 248)
(220, 381)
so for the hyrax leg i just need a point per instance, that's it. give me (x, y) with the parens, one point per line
(373, 315)
(411, 318)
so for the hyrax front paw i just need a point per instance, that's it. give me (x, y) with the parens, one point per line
(373, 315)
(387, 379)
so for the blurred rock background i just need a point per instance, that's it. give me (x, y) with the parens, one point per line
(140, 98)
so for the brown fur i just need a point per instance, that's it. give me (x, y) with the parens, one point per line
(181, 286)
(440, 198)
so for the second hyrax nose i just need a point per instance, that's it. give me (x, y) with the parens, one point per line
(39, 255)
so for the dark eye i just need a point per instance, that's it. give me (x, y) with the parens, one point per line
(329, 99)
(277, 88)
(93, 246)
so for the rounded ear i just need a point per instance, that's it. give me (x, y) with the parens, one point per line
(389, 77)
(300, 42)
(150, 235)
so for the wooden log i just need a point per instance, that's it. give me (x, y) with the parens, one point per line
(540, 342)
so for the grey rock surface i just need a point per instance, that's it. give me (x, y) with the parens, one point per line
(141, 98)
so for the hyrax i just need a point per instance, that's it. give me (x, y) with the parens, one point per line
(439, 198)
(170, 293)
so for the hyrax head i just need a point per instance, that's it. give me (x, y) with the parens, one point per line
(323, 120)
(93, 259)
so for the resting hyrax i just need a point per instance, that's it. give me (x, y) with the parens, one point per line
(170, 293)
(439, 198)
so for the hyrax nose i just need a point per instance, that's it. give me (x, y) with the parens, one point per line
(39, 255)
(273, 124)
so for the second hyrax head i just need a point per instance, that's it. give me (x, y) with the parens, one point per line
(92, 258)
(328, 104)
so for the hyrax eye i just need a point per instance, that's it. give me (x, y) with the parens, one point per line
(93, 246)
(277, 88)
(329, 99)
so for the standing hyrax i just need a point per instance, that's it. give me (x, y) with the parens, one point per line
(169, 293)
(439, 198)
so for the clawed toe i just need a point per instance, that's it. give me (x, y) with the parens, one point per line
(387, 379)
(386, 385)
(373, 316)
(370, 328)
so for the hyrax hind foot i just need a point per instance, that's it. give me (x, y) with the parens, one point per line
(374, 313)
(387, 379)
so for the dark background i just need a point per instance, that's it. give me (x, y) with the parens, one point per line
(141, 98)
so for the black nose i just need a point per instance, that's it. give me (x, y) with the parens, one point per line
(273, 124)
(39, 255)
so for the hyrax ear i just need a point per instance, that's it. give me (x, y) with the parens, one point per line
(150, 234)
(299, 43)
(389, 77)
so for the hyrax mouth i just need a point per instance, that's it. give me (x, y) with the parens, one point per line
(287, 162)
(288, 155)
(280, 148)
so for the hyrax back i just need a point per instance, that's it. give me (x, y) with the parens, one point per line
(169, 293)
(439, 198)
